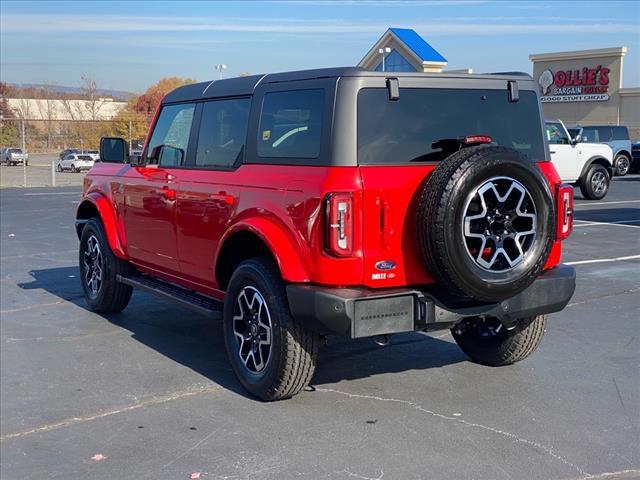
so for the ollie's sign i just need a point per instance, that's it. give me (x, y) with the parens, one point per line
(585, 85)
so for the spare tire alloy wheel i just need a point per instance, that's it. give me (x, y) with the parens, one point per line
(485, 223)
(499, 224)
(252, 329)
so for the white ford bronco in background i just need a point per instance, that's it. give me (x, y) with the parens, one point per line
(590, 165)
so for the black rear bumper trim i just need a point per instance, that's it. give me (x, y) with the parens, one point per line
(361, 312)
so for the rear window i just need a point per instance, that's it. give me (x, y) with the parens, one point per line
(291, 124)
(620, 133)
(85, 157)
(407, 130)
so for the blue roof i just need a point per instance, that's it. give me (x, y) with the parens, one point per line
(418, 45)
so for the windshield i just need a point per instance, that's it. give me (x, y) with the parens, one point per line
(15, 150)
(411, 128)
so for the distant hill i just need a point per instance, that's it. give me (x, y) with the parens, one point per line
(116, 94)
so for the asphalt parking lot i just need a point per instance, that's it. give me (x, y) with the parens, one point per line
(148, 394)
(38, 173)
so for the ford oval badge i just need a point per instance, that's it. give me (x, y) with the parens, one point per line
(385, 265)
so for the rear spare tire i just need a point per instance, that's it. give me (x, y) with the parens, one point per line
(485, 223)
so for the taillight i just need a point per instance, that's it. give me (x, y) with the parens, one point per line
(564, 199)
(339, 224)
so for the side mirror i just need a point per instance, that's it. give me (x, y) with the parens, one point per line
(577, 139)
(167, 155)
(114, 150)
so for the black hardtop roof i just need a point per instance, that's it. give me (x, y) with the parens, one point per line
(239, 86)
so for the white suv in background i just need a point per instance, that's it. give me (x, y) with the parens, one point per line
(75, 162)
(590, 165)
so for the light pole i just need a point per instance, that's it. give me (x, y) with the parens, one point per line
(382, 51)
(220, 67)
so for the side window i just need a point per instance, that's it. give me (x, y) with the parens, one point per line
(223, 130)
(168, 144)
(291, 124)
(620, 133)
(604, 134)
(590, 135)
(556, 134)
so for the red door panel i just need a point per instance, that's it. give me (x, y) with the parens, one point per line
(149, 217)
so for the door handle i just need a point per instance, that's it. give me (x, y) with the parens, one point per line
(223, 197)
(552, 151)
(168, 193)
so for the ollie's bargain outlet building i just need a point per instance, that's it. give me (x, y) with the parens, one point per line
(585, 88)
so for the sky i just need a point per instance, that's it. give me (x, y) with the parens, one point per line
(130, 45)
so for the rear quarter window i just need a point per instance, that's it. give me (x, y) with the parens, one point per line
(620, 133)
(291, 124)
(407, 130)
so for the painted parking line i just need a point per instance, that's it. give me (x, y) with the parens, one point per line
(617, 223)
(589, 204)
(604, 260)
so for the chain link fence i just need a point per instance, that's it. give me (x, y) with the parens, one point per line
(44, 140)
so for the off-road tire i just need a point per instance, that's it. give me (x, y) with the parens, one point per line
(506, 346)
(112, 296)
(622, 165)
(439, 220)
(585, 183)
(294, 348)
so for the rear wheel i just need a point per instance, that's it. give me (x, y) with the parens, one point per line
(623, 164)
(594, 185)
(99, 268)
(272, 355)
(488, 342)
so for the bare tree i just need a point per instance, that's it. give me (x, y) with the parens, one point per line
(94, 103)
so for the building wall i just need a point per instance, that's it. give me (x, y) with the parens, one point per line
(55, 109)
(630, 111)
(392, 43)
(584, 112)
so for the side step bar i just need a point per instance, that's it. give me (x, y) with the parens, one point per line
(208, 306)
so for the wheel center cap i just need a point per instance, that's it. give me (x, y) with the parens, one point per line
(253, 329)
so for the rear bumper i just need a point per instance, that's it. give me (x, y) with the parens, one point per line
(362, 312)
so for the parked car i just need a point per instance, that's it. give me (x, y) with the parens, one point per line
(616, 137)
(635, 162)
(337, 202)
(75, 162)
(13, 156)
(67, 151)
(589, 165)
(94, 154)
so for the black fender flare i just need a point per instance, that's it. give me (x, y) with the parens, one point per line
(597, 159)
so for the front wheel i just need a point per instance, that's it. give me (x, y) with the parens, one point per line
(595, 184)
(272, 355)
(59, 168)
(99, 269)
(623, 164)
(488, 342)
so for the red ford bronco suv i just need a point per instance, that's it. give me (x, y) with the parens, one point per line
(336, 202)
